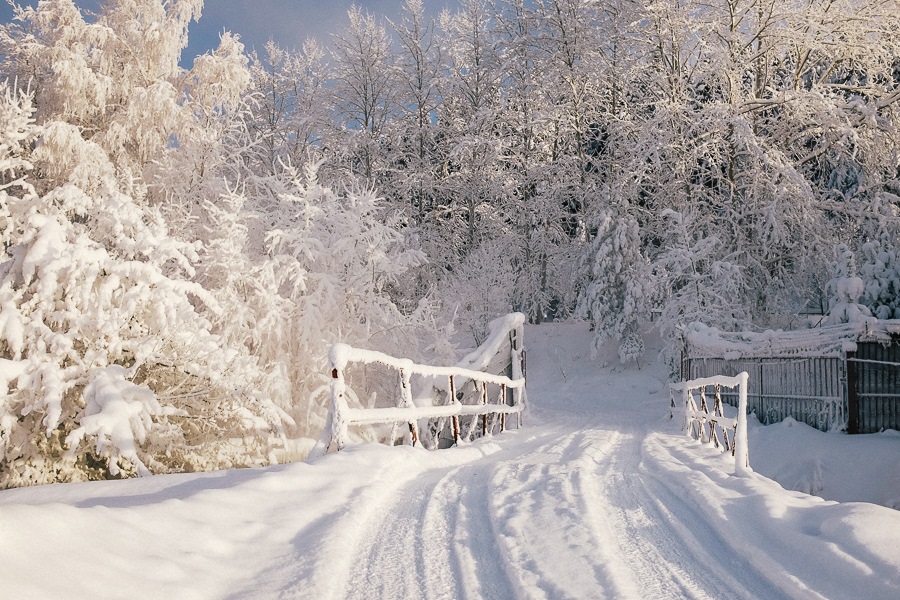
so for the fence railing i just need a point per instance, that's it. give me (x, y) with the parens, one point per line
(712, 426)
(509, 398)
(811, 390)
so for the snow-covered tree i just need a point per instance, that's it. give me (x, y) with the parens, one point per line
(846, 289)
(289, 111)
(115, 366)
(416, 161)
(880, 273)
(615, 299)
(692, 281)
(474, 186)
(330, 261)
(365, 90)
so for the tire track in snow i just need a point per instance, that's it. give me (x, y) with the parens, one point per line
(434, 541)
(613, 527)
(547, 516)
(539, 508)
(673, 550)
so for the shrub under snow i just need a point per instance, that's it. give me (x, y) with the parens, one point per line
(109, 356)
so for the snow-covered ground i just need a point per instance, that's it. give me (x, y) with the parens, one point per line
(598, 496)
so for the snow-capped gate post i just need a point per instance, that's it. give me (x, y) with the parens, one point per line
(741, 445)
(337, 419)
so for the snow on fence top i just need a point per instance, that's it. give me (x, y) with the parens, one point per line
(834, 340)
(341, 354)
(500, 328)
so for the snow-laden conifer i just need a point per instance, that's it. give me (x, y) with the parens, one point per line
(846, 288)
(614, 299)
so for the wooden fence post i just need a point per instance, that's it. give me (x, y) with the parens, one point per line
(517, 367)
(455, 417)
(852, 396)
(406, 402)
(742, 451)
(483, 401)
(340, 408)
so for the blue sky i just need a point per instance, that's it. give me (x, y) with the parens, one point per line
(288, 22)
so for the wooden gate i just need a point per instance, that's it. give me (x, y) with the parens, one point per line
(873, 387)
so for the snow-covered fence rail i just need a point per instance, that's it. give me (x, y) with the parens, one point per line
(509, 399)
(713, 426)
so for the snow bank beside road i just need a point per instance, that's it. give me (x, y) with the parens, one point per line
(834, 466)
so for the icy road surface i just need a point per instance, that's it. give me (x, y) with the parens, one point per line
(598, 496)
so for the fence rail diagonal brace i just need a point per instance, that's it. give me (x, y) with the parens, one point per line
(697, 418)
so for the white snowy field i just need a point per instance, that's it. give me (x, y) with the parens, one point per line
(598, 496)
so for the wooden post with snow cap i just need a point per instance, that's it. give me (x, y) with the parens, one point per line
(337, 359)
(337, 419)
(741, 445)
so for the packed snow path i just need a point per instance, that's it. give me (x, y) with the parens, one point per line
(564, 515)
(598, 496)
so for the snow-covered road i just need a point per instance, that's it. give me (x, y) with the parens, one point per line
(565, 515)
(598, 496)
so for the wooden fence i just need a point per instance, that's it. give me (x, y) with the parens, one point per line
(809, 389)
(873, 388)
(469, 392)
(859, 390)
(713, 426)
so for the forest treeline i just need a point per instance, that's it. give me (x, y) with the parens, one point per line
(180, 245)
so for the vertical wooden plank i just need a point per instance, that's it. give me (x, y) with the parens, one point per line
(455, 417)
(406, 402)
(852, 399)
(484, 401)
(742, 452)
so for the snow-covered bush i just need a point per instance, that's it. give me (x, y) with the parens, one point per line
(846, 289)
(96, 296)
(481, 287)
(107, 327)
(330, 259)
(880, 273)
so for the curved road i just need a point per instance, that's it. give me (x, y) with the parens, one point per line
(563, 514)
(600, 495)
